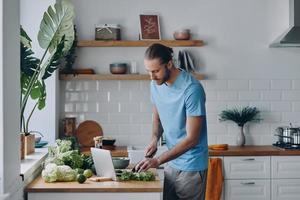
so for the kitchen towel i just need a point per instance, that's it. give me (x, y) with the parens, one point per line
(214, 182)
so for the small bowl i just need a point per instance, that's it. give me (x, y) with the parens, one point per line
(110, 142)
(120, 162)
(118, 68)
(183, 34)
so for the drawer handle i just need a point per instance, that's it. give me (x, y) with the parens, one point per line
(248, 183)
(248, 159)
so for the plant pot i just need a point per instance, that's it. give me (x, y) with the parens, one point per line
(29, 144)
(240, 139)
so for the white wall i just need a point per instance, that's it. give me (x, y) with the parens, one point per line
(10, 180)
(241, 69)
(44, 121)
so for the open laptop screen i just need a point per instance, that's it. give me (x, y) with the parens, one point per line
(103, 163)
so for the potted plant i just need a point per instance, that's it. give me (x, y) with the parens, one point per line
(240, 116)
(56, 36)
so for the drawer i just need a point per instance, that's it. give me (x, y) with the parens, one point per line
(243, 167)
(285, 166)
(287, 189)
(247, 189)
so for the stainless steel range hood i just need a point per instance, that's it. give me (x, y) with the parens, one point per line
(291, 37)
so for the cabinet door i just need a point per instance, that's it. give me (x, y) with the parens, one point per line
(287, 189)
(247, 189)
(243, 167)
(285, 166)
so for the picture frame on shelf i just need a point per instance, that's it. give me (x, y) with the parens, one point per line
(149, 27)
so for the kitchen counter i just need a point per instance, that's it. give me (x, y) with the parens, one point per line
(263, 150)
(109, 190)
(39, 185)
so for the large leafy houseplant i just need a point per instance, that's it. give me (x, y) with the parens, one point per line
(240, 116)
(56, 36)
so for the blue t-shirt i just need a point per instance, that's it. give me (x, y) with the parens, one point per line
(184, 98)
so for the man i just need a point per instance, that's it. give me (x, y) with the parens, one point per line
(179, 113)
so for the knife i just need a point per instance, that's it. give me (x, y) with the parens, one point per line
(147, 156)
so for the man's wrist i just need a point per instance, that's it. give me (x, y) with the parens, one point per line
(158, 161)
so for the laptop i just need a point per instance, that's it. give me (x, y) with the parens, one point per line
(103, 163)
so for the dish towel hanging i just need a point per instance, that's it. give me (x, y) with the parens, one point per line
(214, 182)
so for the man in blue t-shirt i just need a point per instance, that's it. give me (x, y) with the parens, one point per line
(178, 112)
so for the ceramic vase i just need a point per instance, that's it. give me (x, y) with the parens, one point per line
(240, 139)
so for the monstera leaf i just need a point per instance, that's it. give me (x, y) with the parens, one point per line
(56, 36)
(56, 24)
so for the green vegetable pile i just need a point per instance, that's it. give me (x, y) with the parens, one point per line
(64, 163)
(137, 176)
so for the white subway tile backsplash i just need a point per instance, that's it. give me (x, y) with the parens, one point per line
(118, 118)
(291, 95)
(227, 95)
(119, 96)
(291, 117)
(144, 118)
(146, 107)
(281, 84)
(129, 129)
(130, 107)
(124, 109)
(259, 85)
(296, 85)
(98, 117)
(215, 85)
(284, 106)
(215, 106)
(108, 108)
(69, 107)
(296, 106)
(238, 84)
(249, 95)
(271, 95)
(97, 96)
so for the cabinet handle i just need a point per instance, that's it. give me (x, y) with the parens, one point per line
(248, 183)
(248, 159)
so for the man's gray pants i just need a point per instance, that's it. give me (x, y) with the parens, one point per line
(182, 185)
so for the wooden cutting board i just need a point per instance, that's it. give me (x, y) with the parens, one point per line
(86, 131)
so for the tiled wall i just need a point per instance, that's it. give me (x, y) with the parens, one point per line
(123, 108)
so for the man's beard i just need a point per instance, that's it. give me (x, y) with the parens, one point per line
(166, 77)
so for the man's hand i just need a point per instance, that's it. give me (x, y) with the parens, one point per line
(151, 149)
(147, 163)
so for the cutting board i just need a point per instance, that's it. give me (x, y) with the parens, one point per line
(86, 131)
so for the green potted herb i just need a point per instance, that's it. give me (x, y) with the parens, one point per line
(240, 116)
(56, 36)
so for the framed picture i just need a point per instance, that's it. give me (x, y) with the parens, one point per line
(149, 27)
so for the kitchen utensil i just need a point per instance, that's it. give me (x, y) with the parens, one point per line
(86, 131)
(296, 138)
(120, 162)
(118, 68)
(147, 156)
(108, 141)
(100, 179)
(285, 134)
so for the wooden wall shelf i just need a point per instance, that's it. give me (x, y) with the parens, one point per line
(139, 43)
(71, 77)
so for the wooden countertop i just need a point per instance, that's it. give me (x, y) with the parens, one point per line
(38, 185)
(116, 151)
(257, 150)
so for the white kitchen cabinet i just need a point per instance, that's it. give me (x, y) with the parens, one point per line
(244, 167)
(285, 178)
(247, 177)
(247, 189)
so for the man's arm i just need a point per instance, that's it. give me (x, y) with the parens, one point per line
(193, 127)
(157, 131)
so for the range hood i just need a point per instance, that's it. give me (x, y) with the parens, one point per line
(291, 37)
